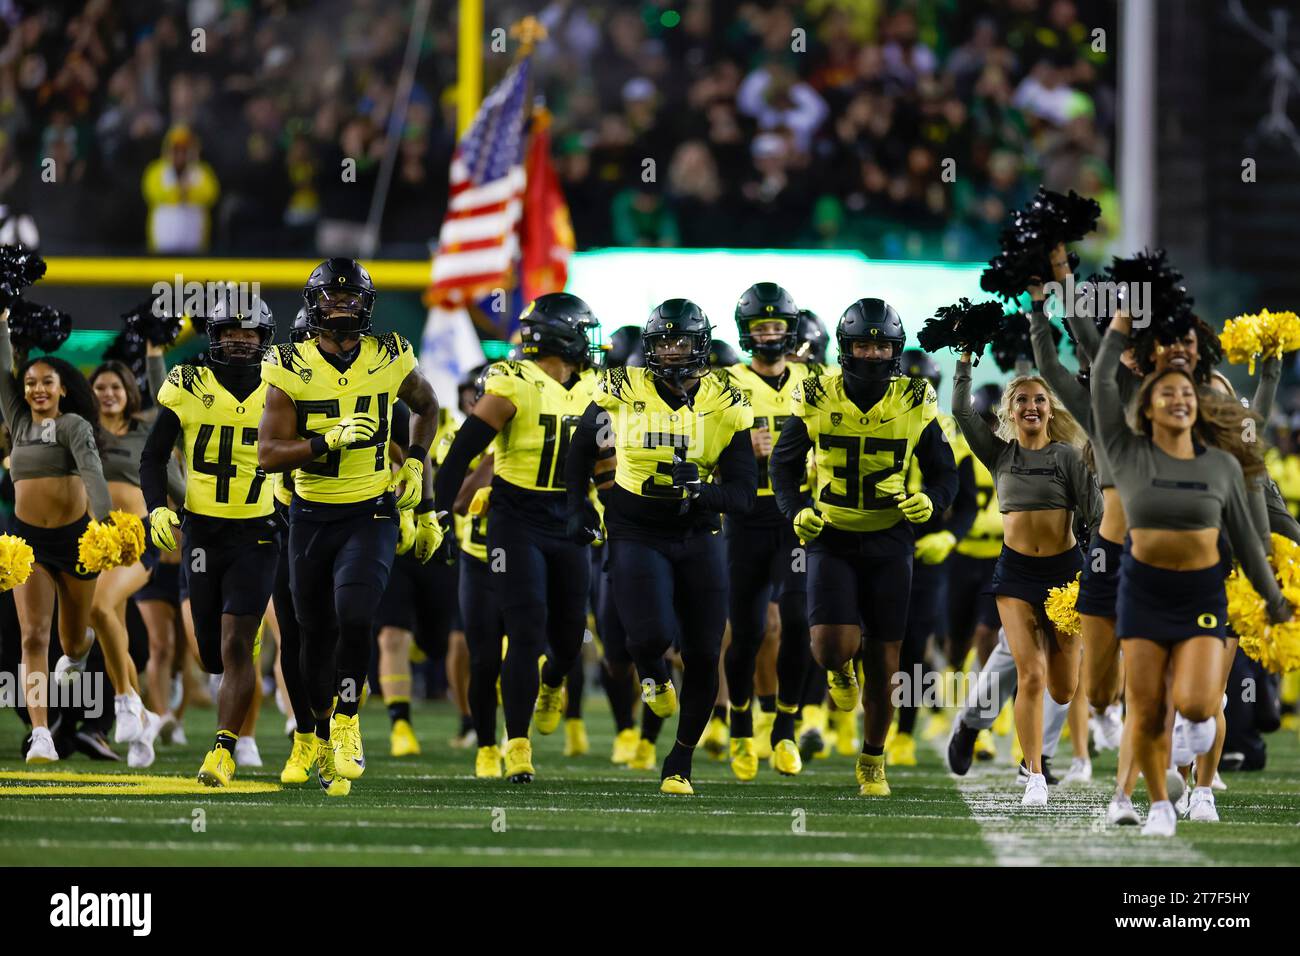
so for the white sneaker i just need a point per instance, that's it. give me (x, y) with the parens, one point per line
(1120, 813)
(1035, 791)
(129, 711)
(1161, 820)
(1202, 808)
(69, 669)
(178, 735)
(1080, 772)
(167, 731)
(1182, 803)
(1217, 783)
(1107, 728)
(246, 754)
(141, 754)
(42, 749)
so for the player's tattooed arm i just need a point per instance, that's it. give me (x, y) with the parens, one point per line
(417, 393)
(278, 446)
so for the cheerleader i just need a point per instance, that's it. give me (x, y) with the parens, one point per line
(1179, 471)
(1042, 482)
(57, 473)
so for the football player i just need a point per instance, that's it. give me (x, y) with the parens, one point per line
(539, 576)
(761, 546)
(230, 534)
(671, 424)
(327, 415)
(865, 422)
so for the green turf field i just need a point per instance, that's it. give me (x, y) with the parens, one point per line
(431, 810)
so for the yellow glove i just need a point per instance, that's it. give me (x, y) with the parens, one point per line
(405, 531)
(162, 522)
(410, 478)
(350, 431)
(428, 534)
(935, 548)
(479, 504)
(916, 508)
(808, 524)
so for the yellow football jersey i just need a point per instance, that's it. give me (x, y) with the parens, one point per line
(323, 396)
(471, 530)
(532, 448)
(648, 432)
(223, 479)
(862, 457)
(771, 406)
(984, 540)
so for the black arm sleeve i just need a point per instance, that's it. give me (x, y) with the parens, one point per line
(788, 465)
(965, 506)
(399, 426)
(938, 468)
(156, 453)
(584, 448)
(737, 492)
(471, 441)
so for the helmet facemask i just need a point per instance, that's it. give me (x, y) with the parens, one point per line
(763, 342)
(870, 371)
(676, 357)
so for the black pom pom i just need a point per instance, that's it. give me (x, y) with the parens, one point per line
(152, 325)
(1028, 239)
(19, 269)
(964, 327)
(36, 326)
(1166, 302)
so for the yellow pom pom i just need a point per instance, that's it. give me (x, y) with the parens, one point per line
(1264, 334)
(1060, 607)
(112, 543)
(130, 532)
(1240, 340)
(16, 561)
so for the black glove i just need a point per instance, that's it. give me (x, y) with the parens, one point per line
(584, 524)
(685, 474)
(449, 551)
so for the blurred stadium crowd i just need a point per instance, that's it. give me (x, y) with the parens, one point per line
(833, 137)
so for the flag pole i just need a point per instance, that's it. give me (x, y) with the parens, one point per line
(469, 65)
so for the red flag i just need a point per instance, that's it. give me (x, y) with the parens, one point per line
(546, 232)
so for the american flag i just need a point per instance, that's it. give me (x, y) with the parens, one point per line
(478, 245)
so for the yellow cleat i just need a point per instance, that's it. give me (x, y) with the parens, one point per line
(660, 698)
(786, 759)
(576, 743)
(891, 733)
(297, 769)
(519, 760)
(845, 725)
(326, 774)
(844, 687)
(938, 727)
(549, 708)
(402, 741)
(902, 751)
(985, 748)
(345, 739)
(714, 740)
(763, 722)
(488, 762)
(645, 757)
(218, 768)
(744, 762)
(1006, 720)
(812, 737)
(871, 776)
(625, 744)
(676, 784)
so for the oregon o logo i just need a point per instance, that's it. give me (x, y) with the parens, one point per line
(1207, 620)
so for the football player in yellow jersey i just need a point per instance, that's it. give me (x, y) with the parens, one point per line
(866, 422)
(539, 578)
(671, 424)
(327, 413)
(761, 546)
(230, 534)
(935, 540)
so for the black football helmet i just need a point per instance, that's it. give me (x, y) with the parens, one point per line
(920, 364)
(813, 339)
(763, 302)
(300, 332)
(559, 324)
(676, 341)
(339, 298)
(625, 347)
(233, 311)
(721, 354)
(870, 320)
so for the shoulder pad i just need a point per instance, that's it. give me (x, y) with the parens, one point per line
(814, 391)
